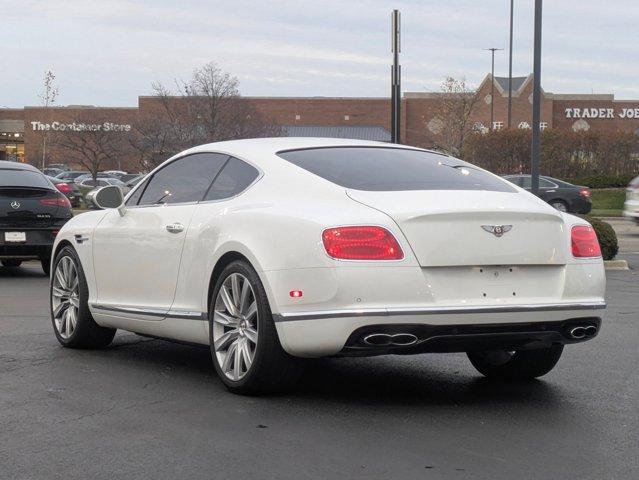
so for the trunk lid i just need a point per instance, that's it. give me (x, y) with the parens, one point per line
(447, 228)
(22, 207)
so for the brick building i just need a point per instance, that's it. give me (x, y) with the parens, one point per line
(23, 131)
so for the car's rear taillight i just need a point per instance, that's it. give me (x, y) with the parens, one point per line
(361, 243)
(63, 187)
(584, 242)
(584, 192)
(60, 201)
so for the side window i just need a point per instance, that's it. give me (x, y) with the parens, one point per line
(543, 183)
(516, 180)
(135, 197)
(525, 182)
(184, 180)
(234, 178)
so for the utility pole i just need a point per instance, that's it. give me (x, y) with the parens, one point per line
(534, 161)
(492, 86)
(510, 69)
(396, 90)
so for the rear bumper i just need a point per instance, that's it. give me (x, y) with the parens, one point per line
(581, 205)
(631, 209)
(39, 243)
(324, 333)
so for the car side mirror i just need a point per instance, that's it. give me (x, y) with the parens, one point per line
(110, 197)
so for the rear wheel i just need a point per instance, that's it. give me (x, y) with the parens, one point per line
(11, 263)
(519, 365)
(245, 347)
(72, 321)
(559, 205)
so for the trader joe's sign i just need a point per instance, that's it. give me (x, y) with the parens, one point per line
(602, 113)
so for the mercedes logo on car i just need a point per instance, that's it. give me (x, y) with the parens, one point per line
(497, 230)
(15, 204)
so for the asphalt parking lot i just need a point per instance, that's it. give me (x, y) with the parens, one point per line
(151, 409)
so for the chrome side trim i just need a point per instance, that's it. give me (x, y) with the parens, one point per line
(153, 312)
(386, 312)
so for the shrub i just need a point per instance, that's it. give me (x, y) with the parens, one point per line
(602, 181)
(606, 236)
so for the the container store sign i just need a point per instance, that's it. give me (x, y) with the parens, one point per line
(80, 127)
(602, 113)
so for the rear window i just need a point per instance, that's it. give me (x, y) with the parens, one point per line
(23, 178)
(393, 169)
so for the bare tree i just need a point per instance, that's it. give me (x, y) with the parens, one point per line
(85, 141)
(451, 123)
(207, 108)
(47, 97)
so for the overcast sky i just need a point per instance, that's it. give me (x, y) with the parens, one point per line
(108, 52)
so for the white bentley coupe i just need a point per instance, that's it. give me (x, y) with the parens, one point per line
(274, 250)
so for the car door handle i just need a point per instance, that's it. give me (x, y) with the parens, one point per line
(175, 228)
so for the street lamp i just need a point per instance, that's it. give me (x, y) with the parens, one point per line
(510, 69)
(396, 72)
(534, 161)
(492, 86)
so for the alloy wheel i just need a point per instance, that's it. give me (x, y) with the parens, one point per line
(559, 206)
(235, 320)
(65, 293)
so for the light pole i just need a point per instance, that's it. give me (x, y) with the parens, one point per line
(396, 89)
(510, 69)
(534, 161)
(492, 86)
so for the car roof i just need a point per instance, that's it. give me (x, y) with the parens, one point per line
(17, 166)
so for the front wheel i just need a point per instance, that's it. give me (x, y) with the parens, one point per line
(73, 324)
(245, 347)
(519, 365)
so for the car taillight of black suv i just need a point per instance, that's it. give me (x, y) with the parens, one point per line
(32, 211)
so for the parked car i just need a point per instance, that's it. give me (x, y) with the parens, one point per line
(52, 172)
(130, 176)
(561, 195)
(69, 189)
(71, 175)
(32, 211)
(87, 176)
(60, 166)
(134, 181)
(116, 173)
(89, 198)
(631, 205)
(273, 250)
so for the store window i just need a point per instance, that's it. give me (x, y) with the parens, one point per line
(12, 140)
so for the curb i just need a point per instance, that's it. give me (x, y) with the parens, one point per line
(616, 265)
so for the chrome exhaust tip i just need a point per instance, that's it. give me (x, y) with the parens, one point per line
(578, 332)
(388, 340)
(583, 332)
(591, 331)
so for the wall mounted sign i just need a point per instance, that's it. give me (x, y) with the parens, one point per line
(80, 127)
(602, 113)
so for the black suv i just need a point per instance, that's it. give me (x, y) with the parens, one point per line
(32, 211)
(564, 196)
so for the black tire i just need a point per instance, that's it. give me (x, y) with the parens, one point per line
(46, 265)
(520, 365)
(10, 262)
(87, 333)
(272, 369)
